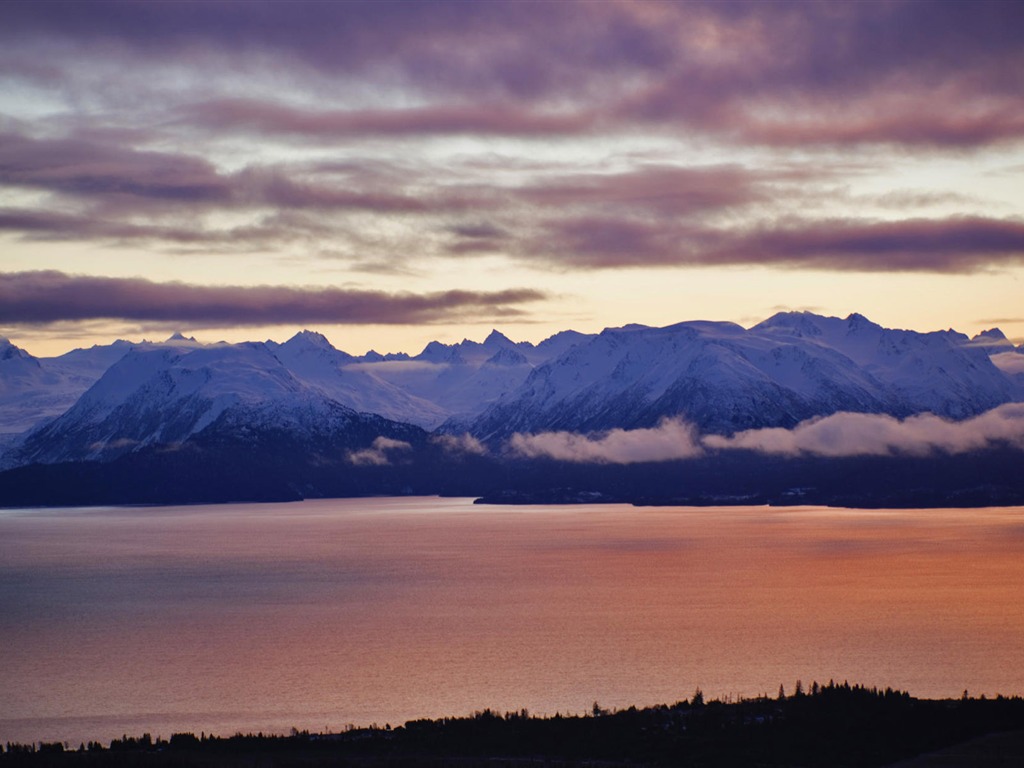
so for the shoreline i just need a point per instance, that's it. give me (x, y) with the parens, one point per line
(831, 724)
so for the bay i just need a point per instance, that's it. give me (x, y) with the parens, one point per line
(323, 613)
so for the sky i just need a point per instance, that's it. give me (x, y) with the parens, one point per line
(390, 173)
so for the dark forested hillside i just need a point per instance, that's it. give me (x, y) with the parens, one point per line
(829, 725)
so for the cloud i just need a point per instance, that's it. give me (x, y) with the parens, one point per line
(663, 189)
(649, 215)
(51, 296)
(902, 72)
(172, 200)
(87, 168)
(378, 454)
(548, 133)
(953, 244)
(128, 179)
(460, 444)
(867, 73)
(1011, 363)
(863, 434)
(638, 76)
(113, 445)
(835, 436)
(285, 188)
(275, 119)
(866, 123)
(1001, 320)
(451, 48)
(671, 440)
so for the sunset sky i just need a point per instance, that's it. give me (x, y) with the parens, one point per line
(390, 173)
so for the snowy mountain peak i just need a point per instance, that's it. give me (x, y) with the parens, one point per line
(628, 328)
(857, 320)
(992, 341)
(9, 351)
(804, 324)
(717, 375)
(497, 339)
(437, 352)
(307, 338)
(992, 333)
(507, 356)
(789, 368)
(179, 336)
(553, 346)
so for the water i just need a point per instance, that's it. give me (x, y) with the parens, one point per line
(323, 613)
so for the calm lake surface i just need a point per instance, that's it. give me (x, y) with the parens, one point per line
(323, 613)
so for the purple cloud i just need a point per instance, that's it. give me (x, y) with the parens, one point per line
(250, 116)
(902, 72)
(157, 145)
(665, 190)
(954, 244)
(92, 169)
(48, 297)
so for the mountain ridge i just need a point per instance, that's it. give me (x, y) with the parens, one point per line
(314, 420)
(779, 365)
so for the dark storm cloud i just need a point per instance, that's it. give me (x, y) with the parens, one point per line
(50, 296)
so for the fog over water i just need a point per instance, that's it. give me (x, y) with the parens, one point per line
(322, 613)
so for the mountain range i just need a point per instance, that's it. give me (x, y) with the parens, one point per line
(319, 421)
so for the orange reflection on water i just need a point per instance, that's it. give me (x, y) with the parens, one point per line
(250, 617)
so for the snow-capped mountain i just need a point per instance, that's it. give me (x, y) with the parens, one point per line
(463, 379)
(994, 341)
(34, 390)
(312, 359)
(425, 390)
(941, 372)
(179, 421)
(106, 401)
(723, 378)
(1004, 356)
(169, 394)
(1011, 363)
